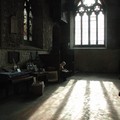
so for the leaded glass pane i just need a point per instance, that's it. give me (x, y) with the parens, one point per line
(24, 4)
(30, 26)
(79, 3)
(85, 30)
(101, 28)
(77, 30)
(99, 2)
(25, 24)
(88, 2)
(93, 29)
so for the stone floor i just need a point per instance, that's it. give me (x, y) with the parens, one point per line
(81, 97)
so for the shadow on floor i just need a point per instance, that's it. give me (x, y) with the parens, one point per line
(23, 106)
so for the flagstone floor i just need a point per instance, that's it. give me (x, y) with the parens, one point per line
(80, 97)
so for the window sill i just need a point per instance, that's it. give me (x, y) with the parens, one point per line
(85, 47)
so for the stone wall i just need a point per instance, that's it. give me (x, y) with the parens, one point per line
(42, 29)
(8, 9)
(100, 61)
(24, 56)
(42, 24)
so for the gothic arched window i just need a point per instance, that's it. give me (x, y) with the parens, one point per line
(27, 21)
(89, 24)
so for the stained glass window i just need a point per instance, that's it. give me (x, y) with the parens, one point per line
(28, 21)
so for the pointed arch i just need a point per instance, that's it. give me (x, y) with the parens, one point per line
(89, 23)
(28, 18)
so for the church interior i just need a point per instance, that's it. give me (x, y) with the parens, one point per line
(59, 59)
